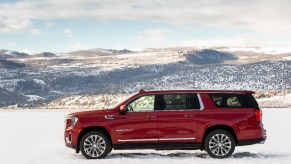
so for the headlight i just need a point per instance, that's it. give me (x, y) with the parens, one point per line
(71, 121)
(74, 120)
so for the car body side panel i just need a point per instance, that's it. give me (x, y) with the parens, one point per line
(133, 127)
(242, 122)
(173, 125)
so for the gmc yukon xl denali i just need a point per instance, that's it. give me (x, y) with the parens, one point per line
(212, 120)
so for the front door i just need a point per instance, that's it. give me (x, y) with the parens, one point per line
(139, 123)
(176, 117)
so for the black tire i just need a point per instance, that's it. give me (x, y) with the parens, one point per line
(110, 150)
(99, 148)
(219, 144)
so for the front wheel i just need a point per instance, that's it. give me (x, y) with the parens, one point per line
(95, 145)
(219, 144)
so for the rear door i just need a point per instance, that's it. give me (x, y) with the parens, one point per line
(177, 117)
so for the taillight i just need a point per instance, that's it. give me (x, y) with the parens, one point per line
(258, 115)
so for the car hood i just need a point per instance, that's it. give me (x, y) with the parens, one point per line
(91, 113)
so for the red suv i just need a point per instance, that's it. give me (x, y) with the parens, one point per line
(211, 120)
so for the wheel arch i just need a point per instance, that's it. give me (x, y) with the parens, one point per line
(221, 126)
(92, 128)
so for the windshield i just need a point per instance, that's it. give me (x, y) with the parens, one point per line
(114, 100)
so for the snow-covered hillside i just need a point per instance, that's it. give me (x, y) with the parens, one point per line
(30, 80)
(102, 101)
(276, 101)
(36, 136)
(273, 99)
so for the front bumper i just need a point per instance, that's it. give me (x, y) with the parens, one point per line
(71, 138)
(71, 146)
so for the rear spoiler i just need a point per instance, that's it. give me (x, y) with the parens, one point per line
(250, 92)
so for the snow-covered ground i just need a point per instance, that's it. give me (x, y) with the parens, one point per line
(276, 101)
(36, 136)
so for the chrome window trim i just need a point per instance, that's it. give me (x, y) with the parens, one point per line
(200, 101)
(145, 94)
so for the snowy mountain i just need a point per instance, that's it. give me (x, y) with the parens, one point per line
(6, 54)
(29, 80)
(208, 56)
(44, 54)
(6, 64)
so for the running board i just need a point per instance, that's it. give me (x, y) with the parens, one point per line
(159, 146)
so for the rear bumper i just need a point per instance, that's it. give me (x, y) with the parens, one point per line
(253, 141)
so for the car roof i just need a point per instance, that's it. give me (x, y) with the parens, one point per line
(196, 91)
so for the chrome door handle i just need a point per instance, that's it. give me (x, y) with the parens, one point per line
(150, 117)
(109, 117)
(189, 116)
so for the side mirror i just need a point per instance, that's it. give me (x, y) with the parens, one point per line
(122, 109)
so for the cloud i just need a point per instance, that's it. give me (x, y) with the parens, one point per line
(156, 36)
(242, 40)
(8, 25)
(119, 46)
(266, 16)
(11, 44)
(214, 42)
(48, 24)
(78, 46)
(68, 32)
(267, 19)
(36, 31)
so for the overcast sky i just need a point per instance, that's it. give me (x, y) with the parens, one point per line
(67, 25)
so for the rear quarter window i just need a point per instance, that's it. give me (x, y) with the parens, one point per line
(232, 100)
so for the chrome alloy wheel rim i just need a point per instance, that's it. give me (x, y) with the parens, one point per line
(94, 146)
(220, 144)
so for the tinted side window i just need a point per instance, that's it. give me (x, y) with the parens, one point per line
(177, 102)
(231, 100)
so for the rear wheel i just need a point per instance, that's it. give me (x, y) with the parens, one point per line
(110, 150)
(219, 144)
(95, 145)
